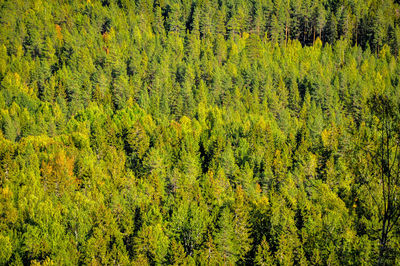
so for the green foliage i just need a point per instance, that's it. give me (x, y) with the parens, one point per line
(199, 132)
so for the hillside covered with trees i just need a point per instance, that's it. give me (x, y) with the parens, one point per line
(199, 132)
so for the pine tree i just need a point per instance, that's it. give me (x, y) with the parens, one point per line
(225, 238)
(263, 255)
(242, 226)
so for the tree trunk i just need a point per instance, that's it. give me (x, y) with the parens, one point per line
(286, 34)
(313, 35)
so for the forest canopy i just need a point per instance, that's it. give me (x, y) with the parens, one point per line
(260, 132)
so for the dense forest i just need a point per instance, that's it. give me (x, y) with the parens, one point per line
(199, 132)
